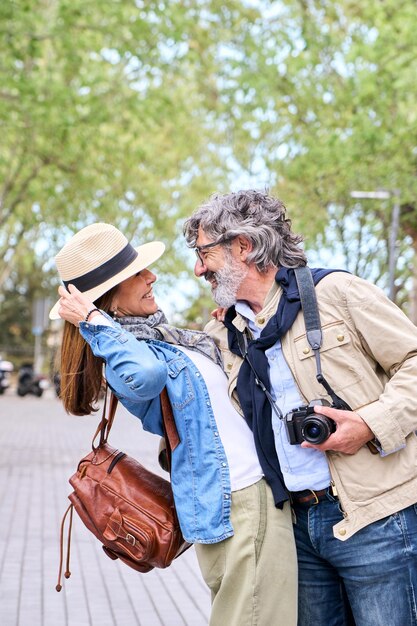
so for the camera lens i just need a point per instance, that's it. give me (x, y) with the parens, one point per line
(317, 428)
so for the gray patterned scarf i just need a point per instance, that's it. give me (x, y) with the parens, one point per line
(156, 327)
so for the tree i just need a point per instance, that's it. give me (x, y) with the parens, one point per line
(330, 107)
(108, 111)
(133, 112)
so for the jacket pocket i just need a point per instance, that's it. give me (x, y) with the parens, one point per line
(340, 366)
(181, 391)
(383, 474)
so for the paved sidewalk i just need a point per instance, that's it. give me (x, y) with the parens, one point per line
(40, 447)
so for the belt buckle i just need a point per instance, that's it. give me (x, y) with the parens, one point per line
(316, 501)
(306, 499)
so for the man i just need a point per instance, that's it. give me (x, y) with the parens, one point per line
(353, 495)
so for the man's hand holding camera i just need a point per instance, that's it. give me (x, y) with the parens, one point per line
(350, 435)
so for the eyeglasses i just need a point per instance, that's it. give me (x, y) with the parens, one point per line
(206, 246)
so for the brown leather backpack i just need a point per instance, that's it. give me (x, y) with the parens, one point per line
(128, 508)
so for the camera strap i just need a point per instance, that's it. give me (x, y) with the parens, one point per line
(314, 333)
(242, 341)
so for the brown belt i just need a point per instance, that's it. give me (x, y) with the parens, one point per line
(309, 496)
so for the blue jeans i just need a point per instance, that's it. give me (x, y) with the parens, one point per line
(368, 580)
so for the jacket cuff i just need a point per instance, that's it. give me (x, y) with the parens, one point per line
(389, 437)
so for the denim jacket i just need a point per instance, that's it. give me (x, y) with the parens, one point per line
(137, 371)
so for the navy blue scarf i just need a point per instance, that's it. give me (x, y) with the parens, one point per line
(255, 405)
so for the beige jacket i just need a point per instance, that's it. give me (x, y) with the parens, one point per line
(369, 357)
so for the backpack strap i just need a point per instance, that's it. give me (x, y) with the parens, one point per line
(107, 419)
(171, 436)
(168, 421)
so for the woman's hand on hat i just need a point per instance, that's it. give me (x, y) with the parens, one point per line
(73, 305)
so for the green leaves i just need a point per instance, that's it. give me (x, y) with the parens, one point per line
(134, 112)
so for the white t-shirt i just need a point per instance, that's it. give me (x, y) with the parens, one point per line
(235, 434)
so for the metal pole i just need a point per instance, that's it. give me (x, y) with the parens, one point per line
(39, 323)
(38, 356)
(392, 259)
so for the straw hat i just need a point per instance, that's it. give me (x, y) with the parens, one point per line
(100, 257)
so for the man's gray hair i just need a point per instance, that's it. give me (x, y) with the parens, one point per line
(255, 215)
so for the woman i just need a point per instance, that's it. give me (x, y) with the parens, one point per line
(244, 544)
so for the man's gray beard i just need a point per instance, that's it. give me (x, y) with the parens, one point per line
(228, 280)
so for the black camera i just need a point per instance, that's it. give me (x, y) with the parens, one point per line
(303, 424)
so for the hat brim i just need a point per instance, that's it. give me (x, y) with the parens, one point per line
(148, 253)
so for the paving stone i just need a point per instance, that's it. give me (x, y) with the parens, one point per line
(41, 446)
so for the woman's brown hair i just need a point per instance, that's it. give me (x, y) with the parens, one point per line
(81, 371)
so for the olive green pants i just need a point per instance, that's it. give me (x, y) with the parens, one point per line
(253, 575)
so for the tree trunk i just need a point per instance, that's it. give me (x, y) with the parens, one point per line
(413, 294)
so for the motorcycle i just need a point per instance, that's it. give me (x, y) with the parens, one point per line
(5, 368)
(29, 382)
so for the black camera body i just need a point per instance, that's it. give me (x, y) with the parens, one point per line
(303, 424)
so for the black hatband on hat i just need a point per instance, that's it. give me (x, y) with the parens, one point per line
(105, 271)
